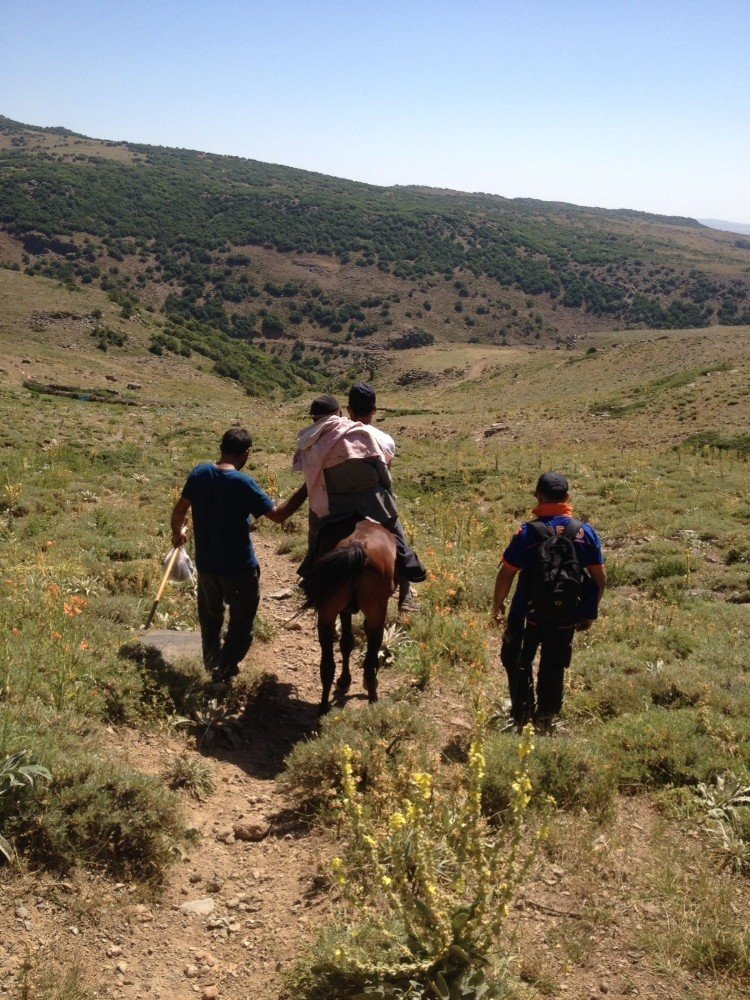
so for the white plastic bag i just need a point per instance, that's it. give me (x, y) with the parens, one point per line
(182, 568)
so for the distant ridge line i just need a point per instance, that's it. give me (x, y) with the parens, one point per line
(743, 228)
(10, 125)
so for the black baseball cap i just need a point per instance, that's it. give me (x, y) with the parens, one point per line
(553, 486)
(324, 406)
(362, 398)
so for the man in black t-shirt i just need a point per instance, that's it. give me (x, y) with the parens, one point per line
(223, 499)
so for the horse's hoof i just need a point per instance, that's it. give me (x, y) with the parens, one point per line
(324, 708)
(372, 698)
(343, 684)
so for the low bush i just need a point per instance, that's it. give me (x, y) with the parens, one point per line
(662, 746)
(570, 770)
(426, 887)
(94, 812)
(388, 741)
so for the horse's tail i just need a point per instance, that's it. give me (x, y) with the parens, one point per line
(332, 572)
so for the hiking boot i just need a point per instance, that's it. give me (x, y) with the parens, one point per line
(409, 604)
(544, 725)
(223, 675)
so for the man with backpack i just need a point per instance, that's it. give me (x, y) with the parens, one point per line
(562, 579)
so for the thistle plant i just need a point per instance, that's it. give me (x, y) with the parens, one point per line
(10, 499)
(723, 800)
(18, 772)
(433, 876)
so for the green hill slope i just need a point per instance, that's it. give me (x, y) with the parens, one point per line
(258, 250)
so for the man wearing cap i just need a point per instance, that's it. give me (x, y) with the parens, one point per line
(346, 472)
(223, 499)
(523, 636)
(362, 406)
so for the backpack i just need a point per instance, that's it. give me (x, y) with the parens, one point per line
(553, 576)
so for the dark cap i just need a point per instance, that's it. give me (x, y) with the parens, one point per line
(362, 399)
(553, 486)
(324, 406)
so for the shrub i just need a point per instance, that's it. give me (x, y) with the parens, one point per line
(426, 885)
(678, 747)
(191, 773)
(95, 812)
(667, 566)
(385, 740)
(569, 770)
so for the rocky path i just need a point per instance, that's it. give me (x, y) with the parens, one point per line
(246, 899)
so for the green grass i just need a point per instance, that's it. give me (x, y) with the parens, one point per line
(658, 696)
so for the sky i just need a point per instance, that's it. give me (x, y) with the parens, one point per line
(641, 104)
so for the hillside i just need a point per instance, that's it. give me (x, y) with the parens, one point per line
(635, 891)
(321, 266)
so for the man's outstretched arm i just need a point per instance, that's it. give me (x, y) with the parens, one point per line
(291, 505)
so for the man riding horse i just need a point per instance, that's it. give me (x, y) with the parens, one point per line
(357, 548)
(345, 464)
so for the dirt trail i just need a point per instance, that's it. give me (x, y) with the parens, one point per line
(266, 899)
(263, 897)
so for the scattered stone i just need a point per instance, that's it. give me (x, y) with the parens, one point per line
(114, 951)
(171, 645)
(111, 378)
(135, 385)
(22, 913)
(122, 967)
(196, 877)
(192, 971)
(496, 428)
(200, 906)
(215, 885)
(210, 992)
(281, 595)
(252, 830)
(225, 835)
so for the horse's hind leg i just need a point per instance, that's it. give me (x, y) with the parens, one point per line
(346, 645)
(374, 633)
(326, 638)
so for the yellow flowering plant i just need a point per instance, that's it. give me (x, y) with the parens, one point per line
(433, 876)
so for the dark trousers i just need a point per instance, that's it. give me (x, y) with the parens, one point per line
(241, 594)
(408, 563)
(519, 647)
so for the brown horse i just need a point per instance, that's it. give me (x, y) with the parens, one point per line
(353, 573)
